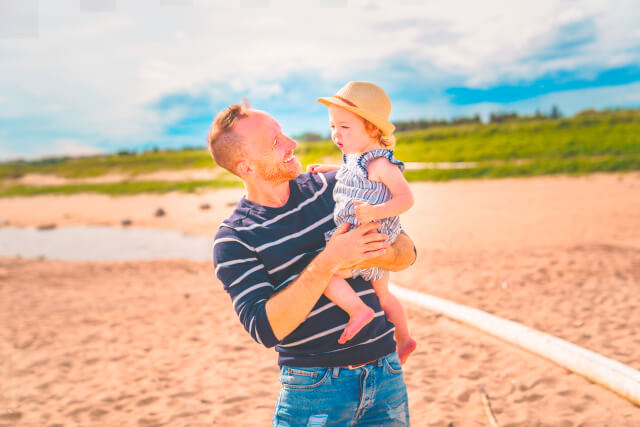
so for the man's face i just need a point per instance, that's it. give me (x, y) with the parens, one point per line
(269, 151)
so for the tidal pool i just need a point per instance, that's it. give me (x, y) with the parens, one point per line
(84, 243)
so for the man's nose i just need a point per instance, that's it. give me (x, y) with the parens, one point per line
(293, 143)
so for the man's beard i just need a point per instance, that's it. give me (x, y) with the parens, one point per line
(280, 173)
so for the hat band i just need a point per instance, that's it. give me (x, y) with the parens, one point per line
(346, 101)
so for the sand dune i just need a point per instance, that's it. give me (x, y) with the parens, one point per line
(157, 343)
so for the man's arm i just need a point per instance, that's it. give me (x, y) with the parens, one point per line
(269, 317)
(287, 309)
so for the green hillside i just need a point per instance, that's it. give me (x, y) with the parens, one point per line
(591, 141)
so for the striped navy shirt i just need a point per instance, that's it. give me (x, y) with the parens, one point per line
(259, 250)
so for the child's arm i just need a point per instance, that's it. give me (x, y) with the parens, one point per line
(320, 168)
(384, 171)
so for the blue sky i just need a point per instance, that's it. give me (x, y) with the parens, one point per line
(89, 76)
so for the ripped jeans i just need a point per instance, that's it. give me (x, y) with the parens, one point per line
(373, 395)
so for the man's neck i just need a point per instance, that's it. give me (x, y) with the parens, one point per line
(268, 194)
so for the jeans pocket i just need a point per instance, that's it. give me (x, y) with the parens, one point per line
(392, 362)
(303, 378)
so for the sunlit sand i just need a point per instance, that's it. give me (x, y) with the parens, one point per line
(157, 342)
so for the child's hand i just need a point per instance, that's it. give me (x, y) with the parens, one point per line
(320, 168)
(364, 211)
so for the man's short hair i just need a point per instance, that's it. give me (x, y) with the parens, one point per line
(225, 145)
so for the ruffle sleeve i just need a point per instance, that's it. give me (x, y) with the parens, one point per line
(367, 157)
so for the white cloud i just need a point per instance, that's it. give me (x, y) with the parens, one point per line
(56, 148)
(95, 74)
(8, 155)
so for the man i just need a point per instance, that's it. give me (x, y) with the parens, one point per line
(274, 263)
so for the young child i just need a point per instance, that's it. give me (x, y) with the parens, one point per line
(370, 187)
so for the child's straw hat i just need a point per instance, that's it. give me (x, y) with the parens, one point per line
(367, 101)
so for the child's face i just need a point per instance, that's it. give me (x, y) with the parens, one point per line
(348, 131)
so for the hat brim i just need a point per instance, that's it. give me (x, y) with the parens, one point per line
(383, 124)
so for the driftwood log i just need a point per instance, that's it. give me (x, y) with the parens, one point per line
(609, 373)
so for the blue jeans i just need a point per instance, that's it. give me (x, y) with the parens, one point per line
(373, 395)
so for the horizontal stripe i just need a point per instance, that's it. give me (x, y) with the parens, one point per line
(323, 333)
(286, 281)
(233, 262)
(313, 337)
(369, 341)
(284, 215)
(291, 261)
(298, 234)
(248, 272)
(251, 289)
(229, 239)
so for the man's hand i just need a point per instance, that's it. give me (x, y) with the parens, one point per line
(289, 307)
(400, 255)
(346, 249)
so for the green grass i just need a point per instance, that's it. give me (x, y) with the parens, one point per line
(119, 189)
(131, 164)
(606, 141)
(610, 133)
(572, 166)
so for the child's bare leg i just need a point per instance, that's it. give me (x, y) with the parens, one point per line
(393, 309)
(343, 295)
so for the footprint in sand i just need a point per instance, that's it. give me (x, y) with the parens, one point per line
(548, 381)
(78, 411)
(530, 398)
(90, 338)
(473, 375)
(147, 401)
(96, 414)
(183, 394)
(234, 411)
(39, 363)
(149, 422)
(235, 399)
(464, 396)
(44, 386)
(10, 416)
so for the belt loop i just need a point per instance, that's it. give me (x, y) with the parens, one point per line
(380, 363)
(336, 371)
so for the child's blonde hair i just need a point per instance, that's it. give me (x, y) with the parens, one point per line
(385, 141)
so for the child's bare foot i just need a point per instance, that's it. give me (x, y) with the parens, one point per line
(405, 350)
(358, 320)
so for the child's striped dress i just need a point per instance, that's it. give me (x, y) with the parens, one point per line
(353, 184)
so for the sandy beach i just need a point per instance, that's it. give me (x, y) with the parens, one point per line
(156, 343)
